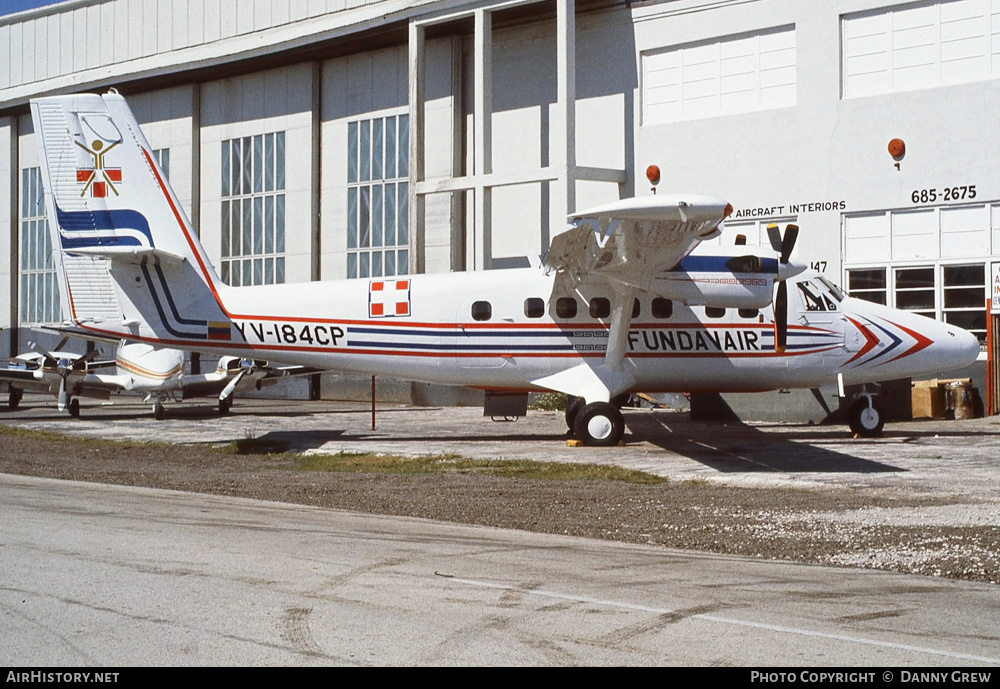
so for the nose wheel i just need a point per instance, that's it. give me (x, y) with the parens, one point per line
(866, 418)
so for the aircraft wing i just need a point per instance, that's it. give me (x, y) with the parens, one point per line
(633, 240)
(216, 383)
(18, 375)
(626, 244)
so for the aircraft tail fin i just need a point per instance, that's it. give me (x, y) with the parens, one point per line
(130, 264)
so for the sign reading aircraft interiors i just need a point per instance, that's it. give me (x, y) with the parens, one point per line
(792, 209)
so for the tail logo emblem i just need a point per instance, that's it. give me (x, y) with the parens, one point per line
(98, 179)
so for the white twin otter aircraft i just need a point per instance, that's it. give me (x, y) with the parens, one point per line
(626, 300)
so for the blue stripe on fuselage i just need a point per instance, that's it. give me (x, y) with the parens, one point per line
(717, 264)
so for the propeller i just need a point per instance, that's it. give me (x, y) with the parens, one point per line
(52, 361)
(228, 390)
(246, 366)
(783, 244)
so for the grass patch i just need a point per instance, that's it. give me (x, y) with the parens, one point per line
(548, 401)
(360, 462)
(53, 436)
(452, 464)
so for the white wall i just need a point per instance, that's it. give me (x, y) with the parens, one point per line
(826, 155)
(168, 119)
(91, 41)
(8, 263)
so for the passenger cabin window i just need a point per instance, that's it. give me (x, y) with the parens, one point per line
(714, 312)
(636, 309)
(748, 313)
(534, 307)
(481, 311)
(565, 307)
(662, 308)
(600, 307)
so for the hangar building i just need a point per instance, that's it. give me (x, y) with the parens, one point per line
(321, 139)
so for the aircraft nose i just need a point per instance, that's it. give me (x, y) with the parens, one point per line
(967, 346)
(960, 347)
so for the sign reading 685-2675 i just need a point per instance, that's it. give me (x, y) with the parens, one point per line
(946, 194)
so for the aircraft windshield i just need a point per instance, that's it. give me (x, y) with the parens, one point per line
(819, 295)
(835, 292)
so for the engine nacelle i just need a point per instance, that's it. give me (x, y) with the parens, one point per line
(714, 277)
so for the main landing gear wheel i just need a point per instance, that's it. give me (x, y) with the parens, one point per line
(866, 420)
(224, 406)
(599, 424)
(74, 408)
(573, 407)
(158, 411)
(14, 399)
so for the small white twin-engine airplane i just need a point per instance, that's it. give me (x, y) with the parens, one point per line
(621, 304)
(140, 368)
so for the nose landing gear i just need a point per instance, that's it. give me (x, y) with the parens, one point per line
(866, 417)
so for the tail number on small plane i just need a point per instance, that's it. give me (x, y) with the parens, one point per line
(288, 333)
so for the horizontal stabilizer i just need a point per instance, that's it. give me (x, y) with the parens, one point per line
(130, 254)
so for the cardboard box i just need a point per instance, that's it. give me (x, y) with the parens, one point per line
(927, 399)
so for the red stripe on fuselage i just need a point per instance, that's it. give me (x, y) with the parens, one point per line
(921, 342)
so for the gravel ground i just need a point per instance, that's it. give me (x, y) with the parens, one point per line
(855, 514)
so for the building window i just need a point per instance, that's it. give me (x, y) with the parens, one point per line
(953, 293)
(914, 290)
(868, 284)
(162, 158)
(724, 76)
(39, 289)
(378, 170)
(964, 297)
(253, 210)
(919, 46)
(931, 260)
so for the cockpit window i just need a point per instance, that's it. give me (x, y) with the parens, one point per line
(815, 296)
(835, 292)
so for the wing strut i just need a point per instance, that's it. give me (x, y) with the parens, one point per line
(601, 382)
(621, 319)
